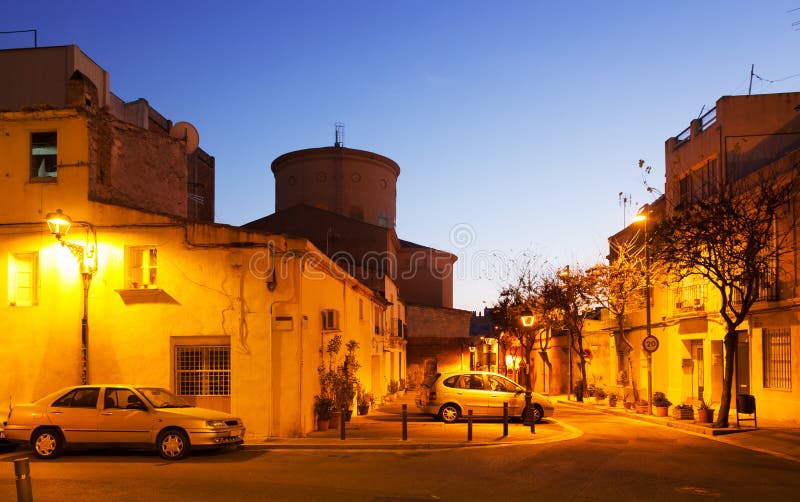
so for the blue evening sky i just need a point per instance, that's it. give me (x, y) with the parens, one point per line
(516, 124)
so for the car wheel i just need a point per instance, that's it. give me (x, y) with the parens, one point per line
(538, 414)
(47, 443)
(173, 444)
(449, 413)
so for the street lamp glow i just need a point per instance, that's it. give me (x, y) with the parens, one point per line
(640, 217)
(527, 319)
(58, 223)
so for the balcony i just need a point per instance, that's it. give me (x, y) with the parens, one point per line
(692, 298)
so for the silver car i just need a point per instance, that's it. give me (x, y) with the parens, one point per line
(448, 396)
(119, 415)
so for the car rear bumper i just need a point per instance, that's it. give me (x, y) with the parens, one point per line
(16, 434)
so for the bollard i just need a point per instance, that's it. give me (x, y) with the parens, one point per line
(405, 422)
(533, 420)
(22, 470)
(469, 425)
(342, 421)
(505, 419)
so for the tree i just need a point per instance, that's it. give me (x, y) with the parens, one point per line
(565, 300)
(618, 286)
(732, 239)
(518, 299)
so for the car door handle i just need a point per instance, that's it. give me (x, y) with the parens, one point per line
(55, 413)
(107, 413)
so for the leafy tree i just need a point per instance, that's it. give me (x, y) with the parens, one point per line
(518, 299)
(618, 287)
(565, 300)
(731, 239)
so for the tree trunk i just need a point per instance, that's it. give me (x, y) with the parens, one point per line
(731, 343)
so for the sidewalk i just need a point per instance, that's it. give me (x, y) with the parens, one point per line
(771, 437)
(381, 429)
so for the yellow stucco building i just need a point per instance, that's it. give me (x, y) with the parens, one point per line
(143, 288)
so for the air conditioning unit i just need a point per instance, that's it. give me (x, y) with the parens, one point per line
(330, 319)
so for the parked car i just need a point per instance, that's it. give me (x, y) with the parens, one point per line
(129, 416)
(448, 396)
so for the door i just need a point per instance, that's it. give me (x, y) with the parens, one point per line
(743, 364)
(471, 394)
(698, 374)
(117, 423)
(75, 413)
(502, 390)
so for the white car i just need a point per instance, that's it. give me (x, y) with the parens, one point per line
(129, 416)
(449, 396)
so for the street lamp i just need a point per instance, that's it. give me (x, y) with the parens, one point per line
(527, 320)
(86, 254)
(564, 275)
(642, 217)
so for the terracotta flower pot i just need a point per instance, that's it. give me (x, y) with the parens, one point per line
(661, 411)
(323, 424)
(334, 422)
(705, 415)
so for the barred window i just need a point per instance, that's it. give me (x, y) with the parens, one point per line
(777, 352)
(203, 370)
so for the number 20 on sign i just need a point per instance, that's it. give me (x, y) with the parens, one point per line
(650, 343)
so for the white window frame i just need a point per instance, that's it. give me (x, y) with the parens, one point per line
(23, 279)
(141, 267)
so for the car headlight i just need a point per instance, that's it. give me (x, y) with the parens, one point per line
(215, 423)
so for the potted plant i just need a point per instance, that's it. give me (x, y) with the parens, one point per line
(364, 400)
(599, 395)
(323, 408)
(705, 413)
(612, 399)
(683, 412)
(661, 403)
(641, 407)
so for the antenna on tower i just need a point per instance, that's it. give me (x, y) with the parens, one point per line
(624, 202)
(339, 134)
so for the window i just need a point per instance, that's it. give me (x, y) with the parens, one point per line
(203, 370)
(44, 149)
(84, 397)
(22, 280)
(360, 309)
(777, 353)
(686, 193)
(142, 267)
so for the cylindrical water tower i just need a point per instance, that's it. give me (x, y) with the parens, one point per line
(353, 183)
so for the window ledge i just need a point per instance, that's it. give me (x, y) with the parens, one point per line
(154, 295)
(44, 179)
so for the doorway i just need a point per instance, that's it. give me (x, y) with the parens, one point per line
(743, 364)
(698, 374)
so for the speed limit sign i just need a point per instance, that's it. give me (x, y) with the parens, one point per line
(650, 343)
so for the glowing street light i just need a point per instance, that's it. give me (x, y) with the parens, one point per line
(642, 217)
(86, 254)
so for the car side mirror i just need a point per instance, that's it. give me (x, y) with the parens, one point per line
(520, 391)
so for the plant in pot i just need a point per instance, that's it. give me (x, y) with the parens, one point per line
(323, 408)
(705, 413)
(612, 399)
(661, 403)
(683, 412)
(600, 395)
(641, 407)
(364, 400)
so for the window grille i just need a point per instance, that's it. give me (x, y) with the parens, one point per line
(203, 370)
(777, 353)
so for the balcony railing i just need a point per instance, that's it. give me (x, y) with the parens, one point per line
(690, 298)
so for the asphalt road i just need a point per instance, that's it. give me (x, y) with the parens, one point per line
(615, 459)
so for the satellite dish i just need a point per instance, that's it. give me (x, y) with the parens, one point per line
(185, 131)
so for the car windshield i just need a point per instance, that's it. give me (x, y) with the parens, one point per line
(162, 398)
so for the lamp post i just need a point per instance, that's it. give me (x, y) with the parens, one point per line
(643, 218)
(564, 274)
(86, 254)
(527, 320)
